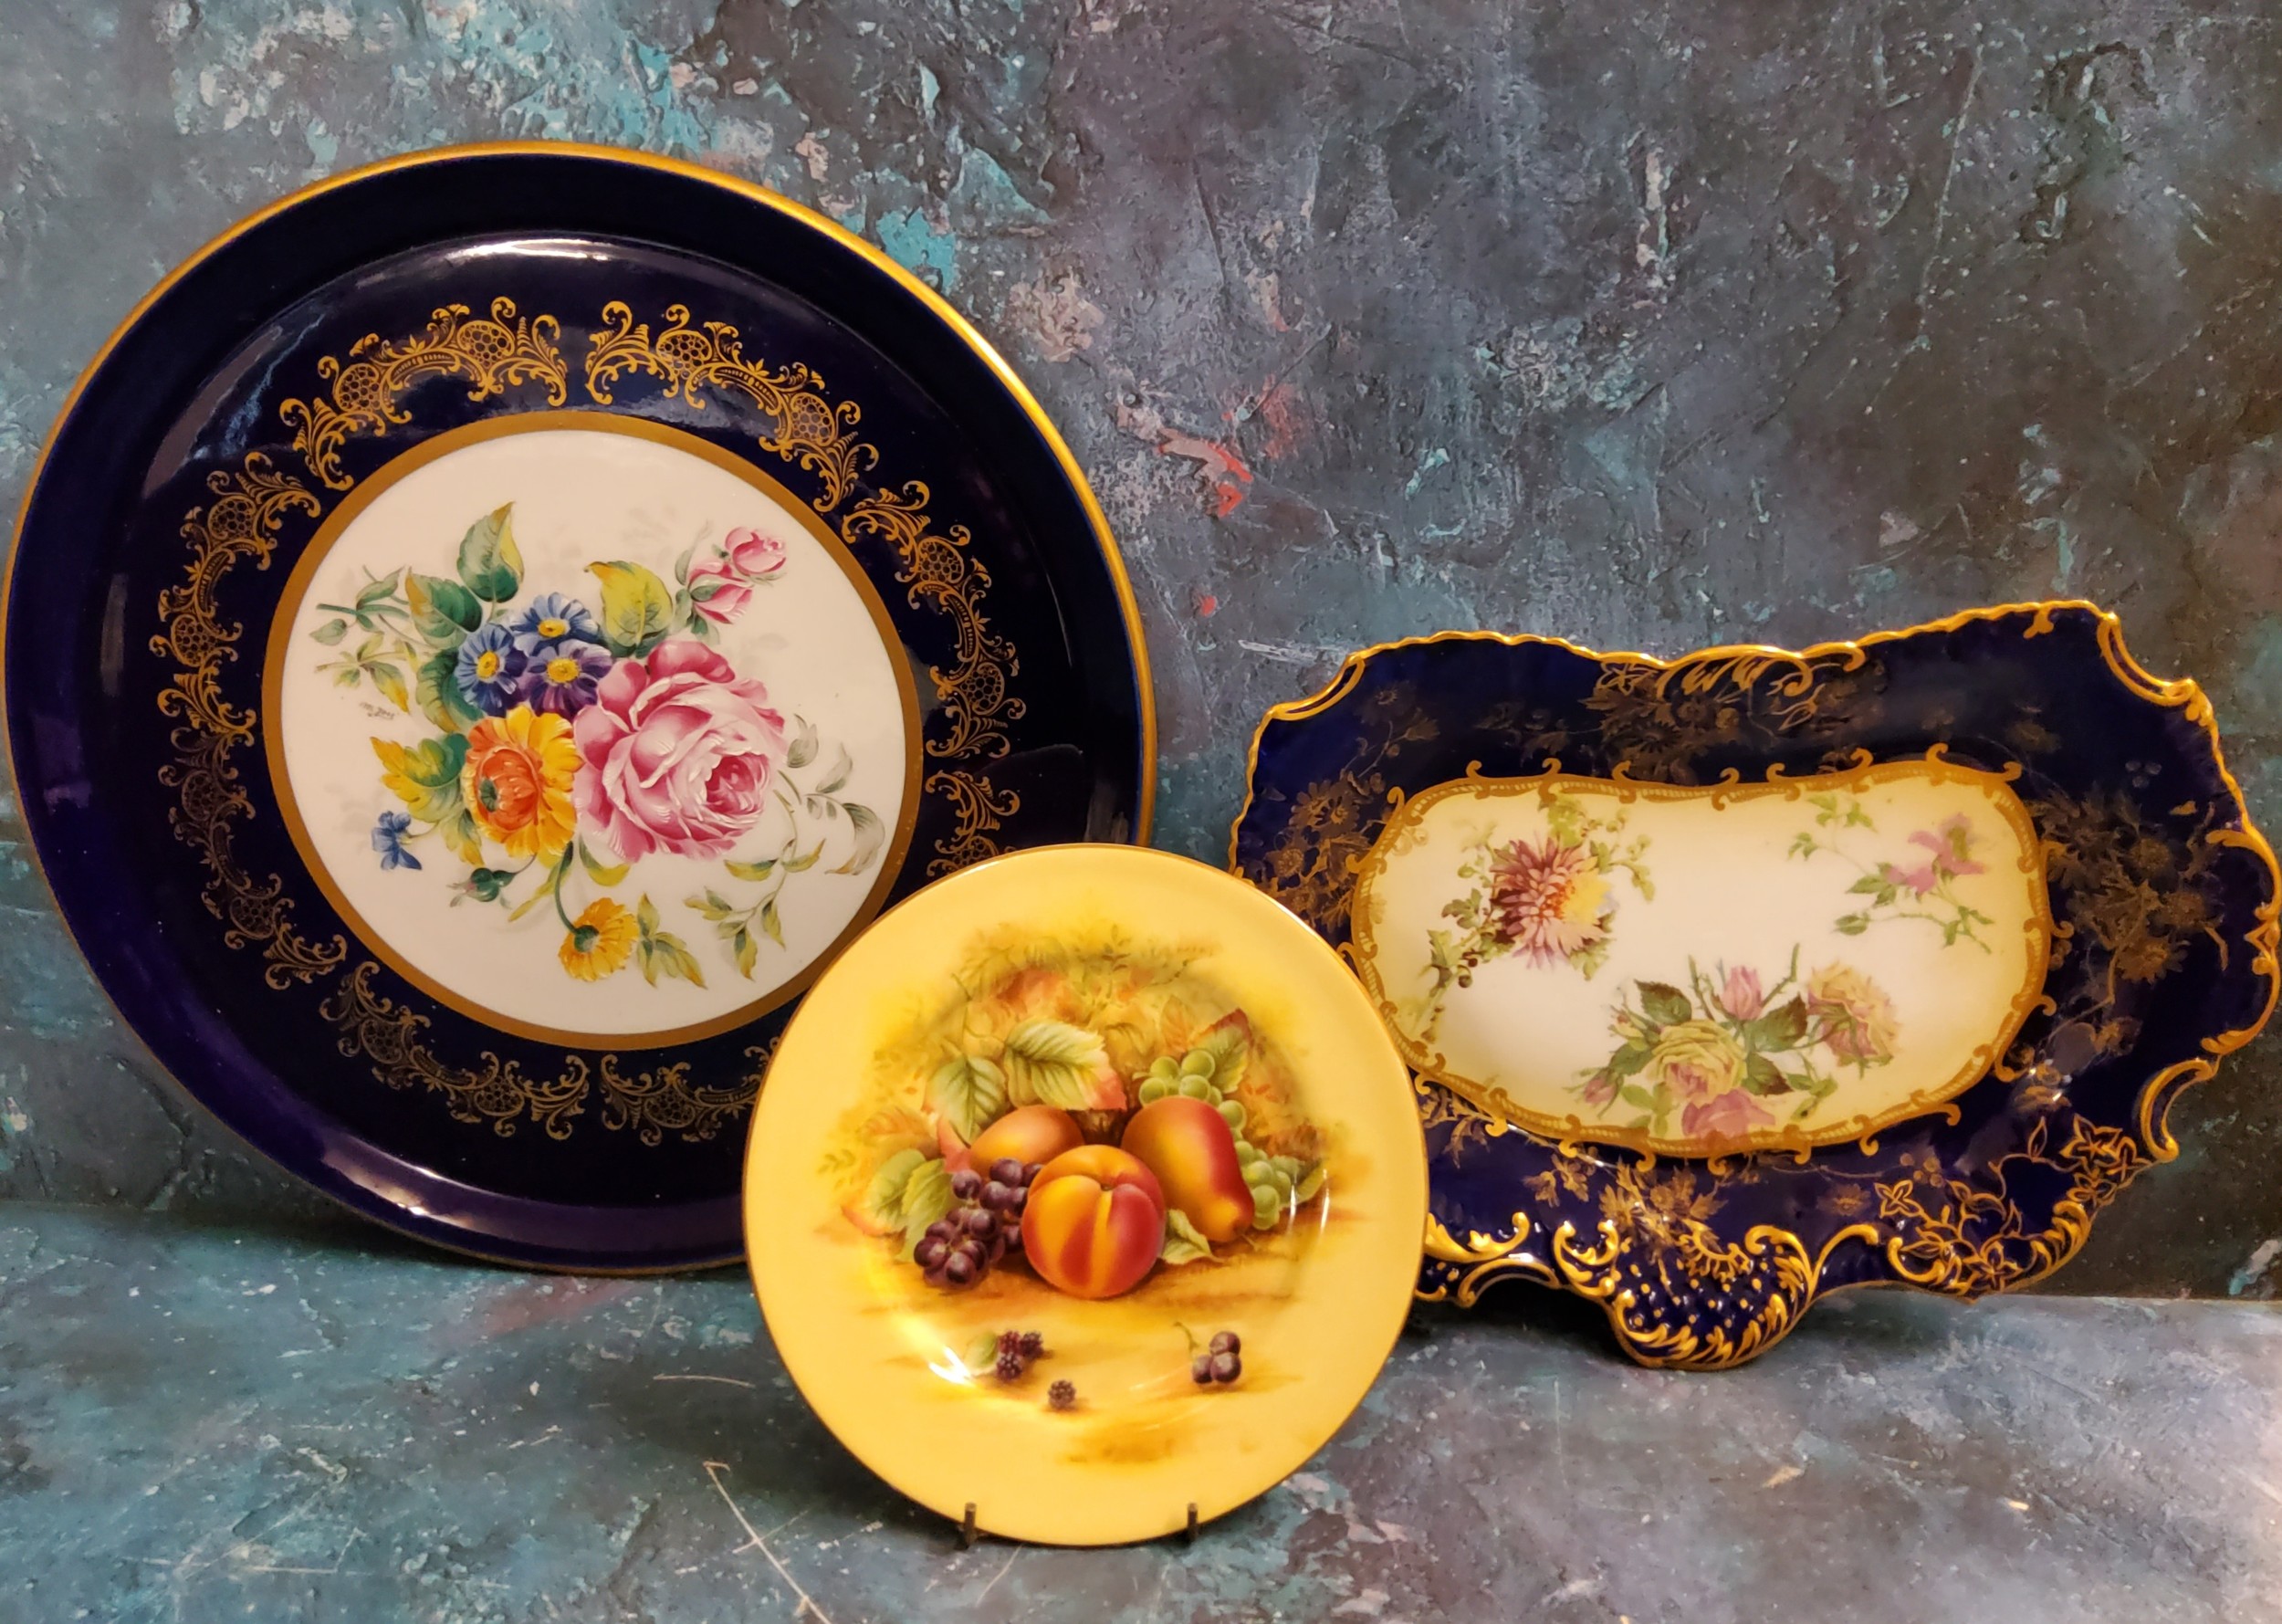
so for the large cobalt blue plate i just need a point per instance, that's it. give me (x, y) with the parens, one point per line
(2159, 952)
(489, 628)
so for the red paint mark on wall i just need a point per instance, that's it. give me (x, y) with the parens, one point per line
(1207, 605)
(1223, 471)
(1279, 408)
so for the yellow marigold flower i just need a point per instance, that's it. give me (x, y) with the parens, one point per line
(599, 942)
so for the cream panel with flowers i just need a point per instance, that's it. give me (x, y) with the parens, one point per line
(1704, 971)
(590, 735)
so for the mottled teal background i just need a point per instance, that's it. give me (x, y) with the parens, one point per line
(1648, 325)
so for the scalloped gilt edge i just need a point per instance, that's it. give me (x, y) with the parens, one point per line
(1771, 1268)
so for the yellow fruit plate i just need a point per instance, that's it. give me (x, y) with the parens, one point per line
(1085, 1191)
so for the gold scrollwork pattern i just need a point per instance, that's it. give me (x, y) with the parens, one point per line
(499, 1093)
(662, 1101)
(978, 807)
(810, 430)
(241, 522)
(494, 354)
(1463, 1267)
(976, 693)
(1657, 1296)
(1684, 1279)
(366, 396)
(1658, 721)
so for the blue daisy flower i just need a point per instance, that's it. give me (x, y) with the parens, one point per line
(552, 617)
(388, 840)
(563, 677)
(490, 670)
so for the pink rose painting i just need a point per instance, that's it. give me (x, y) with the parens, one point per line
(717, 592)
(564, 728)
(721, 589)
(676, 753)
(1727, 1057)
(754, 555)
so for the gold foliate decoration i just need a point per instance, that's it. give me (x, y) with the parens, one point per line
(366, 394)
(809, 430)
(1754, 1291)
(1333, 822)
(1468, 1122)
(1676, 1291)
(1658, 721)
(936, 569)
(493, 354)
(977, 807)
(817, 433)
(374, 1025)
(241, 522)
(1967, 1238)
(656, 1103)
(2132, 891)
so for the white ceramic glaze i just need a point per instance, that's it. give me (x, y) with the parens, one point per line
(772, 641)
(1695, 970)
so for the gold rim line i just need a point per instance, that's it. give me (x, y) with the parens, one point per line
(961, 329)
(2073, 1222)
(935, 302)
(1434, 1067)
(351, 507)
(2183, 694)
(1305, 942)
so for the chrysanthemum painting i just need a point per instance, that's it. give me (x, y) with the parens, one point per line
(1811, 961)
(1548, 901)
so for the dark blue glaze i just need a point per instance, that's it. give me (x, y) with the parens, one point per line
(2166, 900)
(195, 384)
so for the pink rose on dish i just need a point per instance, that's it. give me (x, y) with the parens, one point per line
(1743, 997)
(755, 556)
(717, 594)
(1734, 1116)
(675, 754)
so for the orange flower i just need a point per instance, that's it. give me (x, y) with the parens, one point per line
(599, 940)
(517, 781)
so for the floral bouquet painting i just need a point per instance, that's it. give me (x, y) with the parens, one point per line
(580, 726)
(1728, 1055)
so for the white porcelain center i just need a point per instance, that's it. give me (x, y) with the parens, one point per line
(1703, 970)
(591, 731)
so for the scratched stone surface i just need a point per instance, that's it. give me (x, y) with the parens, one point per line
(1651, 325)
(321, 1433)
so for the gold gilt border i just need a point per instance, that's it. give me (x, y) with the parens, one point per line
(493, 353)
(509, 425)
(251, 503)
(1679, 1294)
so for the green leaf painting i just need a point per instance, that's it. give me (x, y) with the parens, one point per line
(490, 565)
(637, 608)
